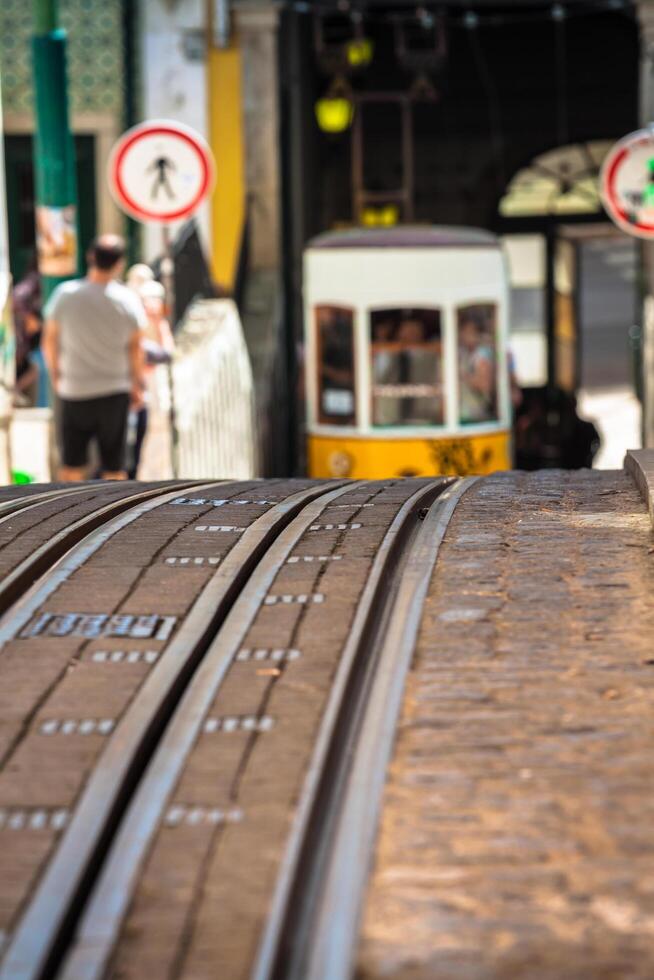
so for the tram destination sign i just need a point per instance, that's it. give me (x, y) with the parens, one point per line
(160, 171)
(627, 183)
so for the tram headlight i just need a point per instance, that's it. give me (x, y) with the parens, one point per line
(340, 463)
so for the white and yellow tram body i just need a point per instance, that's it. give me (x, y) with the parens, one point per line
(390, 385)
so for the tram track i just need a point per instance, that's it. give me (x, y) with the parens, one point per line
(36, 944)
(330, 851)
(302, 638)
(22, 500)
(100, 927)
(24, 573)
(79, 913)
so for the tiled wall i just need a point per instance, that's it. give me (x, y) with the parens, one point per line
(95, 70)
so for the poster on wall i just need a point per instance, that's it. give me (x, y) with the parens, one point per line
(56, 240)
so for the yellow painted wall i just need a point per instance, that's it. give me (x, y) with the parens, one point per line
(226, 139)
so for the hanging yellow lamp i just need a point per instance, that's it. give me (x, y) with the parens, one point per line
(335, 111)
(359, 52)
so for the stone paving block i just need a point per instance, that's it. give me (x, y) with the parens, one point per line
(512, 842)
(208, 779)
(244, 688)
(48, 770)
(92, 690)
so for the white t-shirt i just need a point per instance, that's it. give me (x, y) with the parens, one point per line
(96, 324)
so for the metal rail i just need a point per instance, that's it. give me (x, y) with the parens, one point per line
(24, 502)
(26, 572)
(288, 904)
(48, 921)
(313, 929)
(27, 949)
(101, 923)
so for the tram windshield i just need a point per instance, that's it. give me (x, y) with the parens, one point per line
(476, 333)
(336, 376)
(406, 367)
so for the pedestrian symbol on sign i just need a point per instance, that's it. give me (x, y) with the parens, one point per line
(162, 166)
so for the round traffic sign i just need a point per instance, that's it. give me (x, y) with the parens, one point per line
(627, 183)
(160, 171)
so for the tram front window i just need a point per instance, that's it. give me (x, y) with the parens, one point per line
(336, 384)
(476, 327)
(406, 367)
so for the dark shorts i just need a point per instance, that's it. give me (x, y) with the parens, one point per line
(104, 419)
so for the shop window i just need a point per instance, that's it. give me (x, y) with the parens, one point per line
(476, 335)
(336, 375)
(406, 367)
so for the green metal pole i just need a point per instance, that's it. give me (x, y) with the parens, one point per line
(54, 156)
(45, 16)
(54, 151)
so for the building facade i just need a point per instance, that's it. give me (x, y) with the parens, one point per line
(98, 91)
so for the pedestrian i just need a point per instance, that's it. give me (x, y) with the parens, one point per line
(137, 275)
(92, 348)
(26, 311)
(158, 346)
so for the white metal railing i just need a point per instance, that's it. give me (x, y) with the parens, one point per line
(213, 401)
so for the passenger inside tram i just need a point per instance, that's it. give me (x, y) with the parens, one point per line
(477, 364)
(406, 368)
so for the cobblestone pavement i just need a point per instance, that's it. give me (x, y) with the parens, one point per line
(517, 836)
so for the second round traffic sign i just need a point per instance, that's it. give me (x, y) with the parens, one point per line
(627, 184)
(160, 171)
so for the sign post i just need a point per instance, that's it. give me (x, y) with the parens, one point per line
(160, 172)
(627, 190)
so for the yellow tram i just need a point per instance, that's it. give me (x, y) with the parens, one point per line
(406, 353)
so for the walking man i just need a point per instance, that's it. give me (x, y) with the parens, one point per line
(92, 347)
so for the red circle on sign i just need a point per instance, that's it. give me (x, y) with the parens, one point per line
(609, 181)
(127, 141)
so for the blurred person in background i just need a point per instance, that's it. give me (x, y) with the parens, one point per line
(26, 310)
(137, 275)
(419, 367)
(92, 347)
(476, 370)
(158, 346)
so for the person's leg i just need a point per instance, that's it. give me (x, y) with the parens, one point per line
(111, 433)
(71, 474)
(141, 428)
(75, 437)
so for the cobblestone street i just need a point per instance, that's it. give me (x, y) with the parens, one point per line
(516, 837)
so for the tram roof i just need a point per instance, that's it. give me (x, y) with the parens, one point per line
(407, 236)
